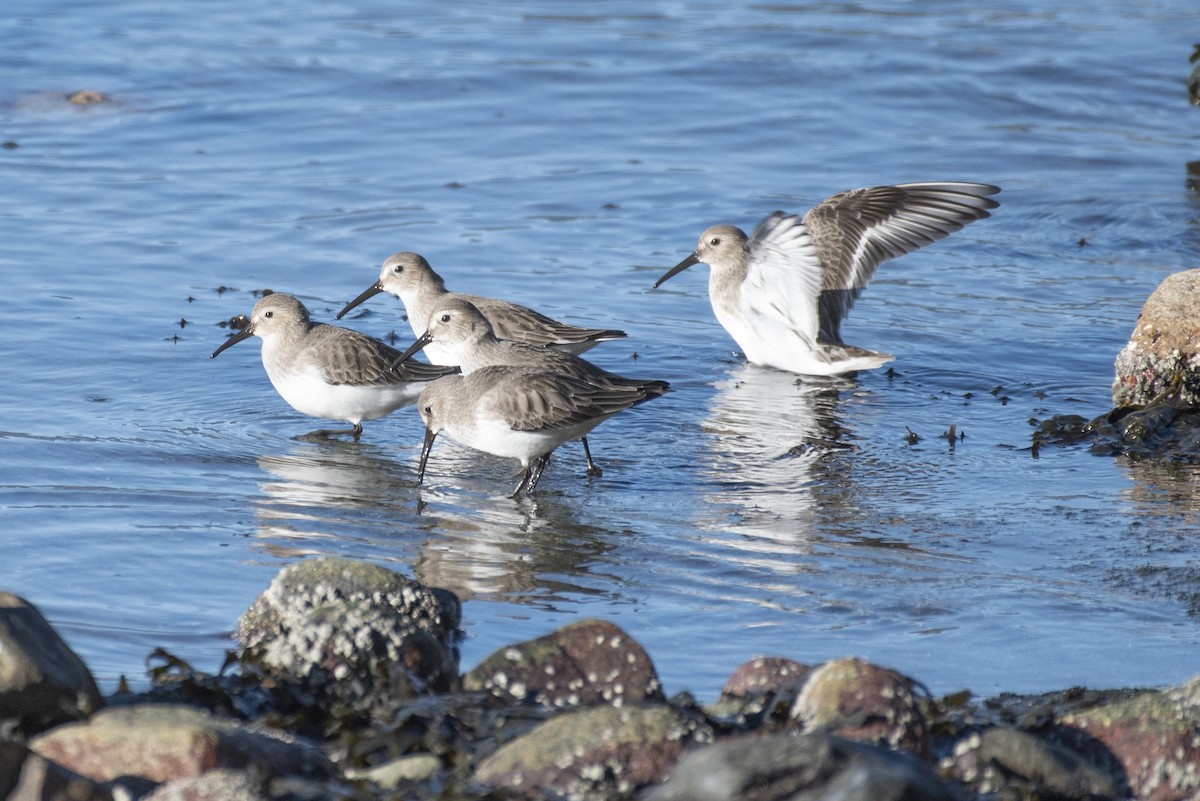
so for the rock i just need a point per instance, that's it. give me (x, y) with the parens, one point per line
(390, 775)
(354, 629)
(764, 674)
(220, 784)
(1163, 353)
(42, 681)
(164, 742)
(1019, 763)
(596, 753)
(860, 701)
(583, 664)
(26, 775)
(1155, 736)
(799, 767)
(329, 580)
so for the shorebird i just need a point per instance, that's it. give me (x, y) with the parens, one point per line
(783, 291)
(327, 371)
(467, 339)
(409, 277)
(518, 412)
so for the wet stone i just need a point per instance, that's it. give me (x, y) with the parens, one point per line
(583, 664)
(764, 674)
(354, 630)
(163, 742)
(42, 681)
(861, 701)
(602, 752)
(27, 775)
(390, 775)
(792, 767)
(329, 580)
(1163, 353)
(221, 784)
(1153, 735)
(1011, 761)
(1165, 429)
(1156, 387)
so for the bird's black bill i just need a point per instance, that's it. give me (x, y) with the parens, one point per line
(430, 435)
(373, 290)
(421, 342)
(245, 333)
(678, 268)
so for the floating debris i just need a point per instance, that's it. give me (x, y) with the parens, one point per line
(87, 97)
(235, 323)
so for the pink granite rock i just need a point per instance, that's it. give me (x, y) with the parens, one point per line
(585, 663)
(162, 742)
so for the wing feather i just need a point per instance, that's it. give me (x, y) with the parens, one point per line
(521, 324)
(350, 357)
(857, 230)
(783, 275)
(544, 401)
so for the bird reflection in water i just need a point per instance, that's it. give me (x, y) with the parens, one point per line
(522, 550)
(322, 490)
(360, 499)
(775, 448)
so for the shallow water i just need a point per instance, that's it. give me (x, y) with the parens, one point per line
(148, 493)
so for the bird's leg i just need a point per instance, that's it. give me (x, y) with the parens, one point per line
(522, 484)
(531, 475)
(326, 433)
(539, 467)
(593, 469)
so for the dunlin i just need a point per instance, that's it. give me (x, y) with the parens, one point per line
(519, 412)
(783, 291)
(467, 339)
(331, 372)
(409, 277)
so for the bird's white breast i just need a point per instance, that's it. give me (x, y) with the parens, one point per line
(301, 382)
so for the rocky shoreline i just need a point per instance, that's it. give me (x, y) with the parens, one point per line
(346, 685)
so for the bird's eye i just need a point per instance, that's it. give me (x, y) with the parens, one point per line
(399, 268)
(428, 410)
(269, 314)
(445, 318)
(716, 240)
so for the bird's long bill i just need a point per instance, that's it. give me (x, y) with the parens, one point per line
(371, 291)
(678, 268)
(430, 435)
(245, 333)
(421, 342)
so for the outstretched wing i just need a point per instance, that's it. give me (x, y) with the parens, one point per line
(783, 275)
(857, 230)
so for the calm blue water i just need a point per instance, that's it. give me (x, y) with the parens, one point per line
(565, 159)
